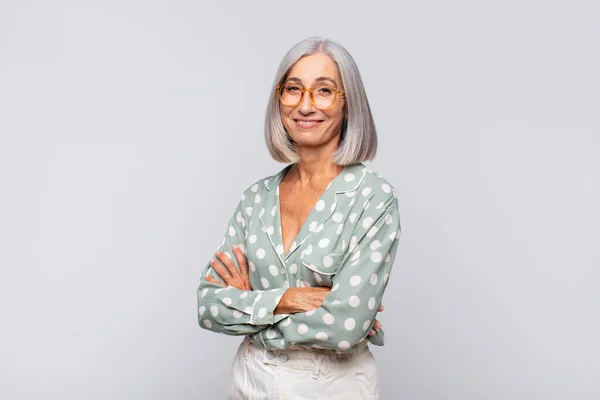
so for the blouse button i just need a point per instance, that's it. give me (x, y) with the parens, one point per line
(283, 272)
(270, 355)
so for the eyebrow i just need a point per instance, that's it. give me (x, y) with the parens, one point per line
(319, 79)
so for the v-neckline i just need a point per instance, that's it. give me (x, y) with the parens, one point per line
(302, 234)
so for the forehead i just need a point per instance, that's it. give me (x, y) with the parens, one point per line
(308, 68)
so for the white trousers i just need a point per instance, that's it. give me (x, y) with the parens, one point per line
(302, 374)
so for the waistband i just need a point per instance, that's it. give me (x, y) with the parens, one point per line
(322, 361)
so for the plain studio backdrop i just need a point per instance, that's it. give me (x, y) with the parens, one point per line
(129, 129)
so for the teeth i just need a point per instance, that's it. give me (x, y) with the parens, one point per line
(308, 122)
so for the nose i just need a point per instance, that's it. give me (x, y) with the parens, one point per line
(306, 106)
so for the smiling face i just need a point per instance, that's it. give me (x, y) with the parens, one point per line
(307, 125)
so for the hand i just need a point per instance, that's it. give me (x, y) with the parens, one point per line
(377, 325)
(230, 274)
(302, 299)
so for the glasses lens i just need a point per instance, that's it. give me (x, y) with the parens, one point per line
(290, 94)
(324, 96)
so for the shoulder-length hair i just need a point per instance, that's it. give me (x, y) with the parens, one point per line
(358, 141)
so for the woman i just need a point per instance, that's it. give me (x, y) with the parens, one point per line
(308, 251)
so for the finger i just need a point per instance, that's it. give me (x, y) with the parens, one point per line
(213, 280)
(372, 332)
(220, 270)
(381, 308)
(226, 261)
(377, 324)
(241, 259)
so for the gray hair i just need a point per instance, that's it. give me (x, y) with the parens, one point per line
(358, 141)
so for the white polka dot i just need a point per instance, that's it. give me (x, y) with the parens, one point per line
(320, 205)
(366, 325)
(252, 266)
(366, 191)
(354, 301)
(352, 217)
(386, 188)
(248, 310)
(335, 287)
(317, 276)
(271, 334)
(355, 280)
(273, 210)
(321, 336)
(344, 345)
(304, 283)
(264, 282)
(254, 187)
(204, 291)
(261, 213)
(337, 217)
(327, 261)
(238, 217)
(308, 250)
(219, 290)
(287, 322)
(339, 229)
(373, 279)
(293, 268)
(279, 249)
(201, 310)
(273, 270)
(257, 198)
(372, 231)
(392, 235)
(349, 324)
(367, 222)
(214, 311)
(237, 314)
(312, 226)
(249, 210)
(252, 238)
(332, 208)
(207, 323)
(366, 204)
(270, 230)
(260, 253)
(323, 243)
(379, 206)
(262, 312)
(328, 318)
(356, 255)
(351, 202)
(349, 177)
(319, 228)
(388, 219)
(371, 303)
(231, 231)
(376, 256)
(385, 277)
(302, 329)
(351, 194)
(282, 342)
(244, 294)
(375, 244)
(227, 301)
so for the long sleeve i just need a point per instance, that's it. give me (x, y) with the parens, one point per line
(230, 310)
(348, 312)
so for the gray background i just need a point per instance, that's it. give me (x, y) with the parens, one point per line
(129, 129)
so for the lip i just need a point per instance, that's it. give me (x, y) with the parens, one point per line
(316, 123)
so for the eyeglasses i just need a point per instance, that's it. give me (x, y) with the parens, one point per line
(323, 97)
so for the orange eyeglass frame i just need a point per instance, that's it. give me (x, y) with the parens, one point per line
(310, 92)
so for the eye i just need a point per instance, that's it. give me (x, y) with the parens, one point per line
(291, 87)
(324, 91)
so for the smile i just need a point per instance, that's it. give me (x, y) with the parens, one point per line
(307, 123)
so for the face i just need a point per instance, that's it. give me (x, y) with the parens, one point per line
(304, 123)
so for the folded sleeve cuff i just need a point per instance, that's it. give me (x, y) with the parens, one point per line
(264, 305)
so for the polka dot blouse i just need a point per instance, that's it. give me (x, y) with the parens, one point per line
(348, 242)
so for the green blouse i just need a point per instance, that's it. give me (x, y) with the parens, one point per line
(348, 242)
